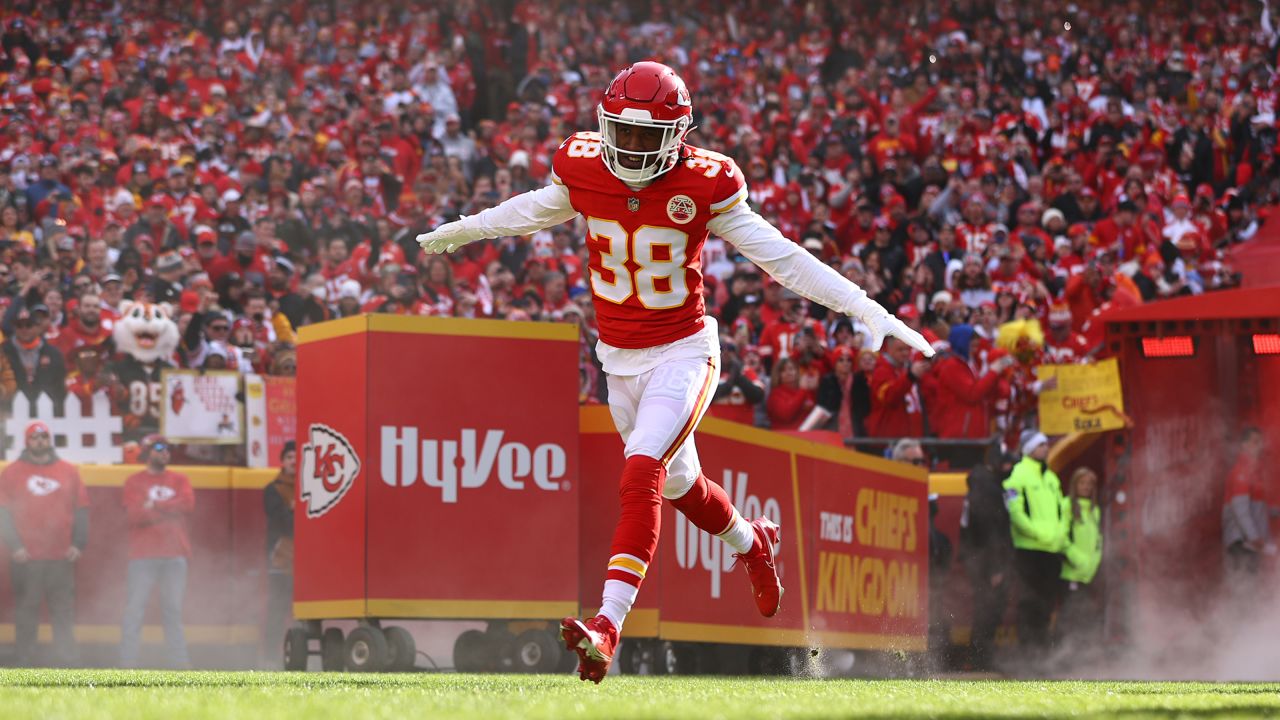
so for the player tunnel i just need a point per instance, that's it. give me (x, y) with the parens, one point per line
(1195, 371)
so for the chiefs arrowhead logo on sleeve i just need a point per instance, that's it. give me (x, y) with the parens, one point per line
(329, 469)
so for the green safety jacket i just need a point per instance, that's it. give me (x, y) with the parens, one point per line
(1083, 551)
(1033, 495)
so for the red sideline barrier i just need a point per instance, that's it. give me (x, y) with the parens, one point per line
(226, 595)
(443, 475)
(854, 550)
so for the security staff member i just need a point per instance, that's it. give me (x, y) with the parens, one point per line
(1081, 558)
(1033, 495)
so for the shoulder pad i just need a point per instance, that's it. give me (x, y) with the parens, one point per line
(709, 162)
(569, 159)
(581, 141)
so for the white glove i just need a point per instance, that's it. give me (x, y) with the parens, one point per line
(883, 324)
(1002, 364)
(444, 239)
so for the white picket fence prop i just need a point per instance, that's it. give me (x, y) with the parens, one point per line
(77, 438)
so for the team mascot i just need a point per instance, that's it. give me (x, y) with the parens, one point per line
(1024, 340)
(146, 337)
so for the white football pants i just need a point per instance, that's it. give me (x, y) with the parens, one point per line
(657, 411)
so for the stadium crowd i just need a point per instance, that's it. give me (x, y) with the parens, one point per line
(996, 173)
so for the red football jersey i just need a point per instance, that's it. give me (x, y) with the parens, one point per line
(1074, 349)
(645, 246)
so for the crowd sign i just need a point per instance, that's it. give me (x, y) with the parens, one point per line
(202, 407)
(271, 417)
(1087, 398)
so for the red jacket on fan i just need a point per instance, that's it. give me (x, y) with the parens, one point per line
(788, 406)
(158, 531)
(895, 403)
(960, 406)
(42, 501)
(76, 335)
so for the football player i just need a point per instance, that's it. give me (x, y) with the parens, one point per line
(649, 200)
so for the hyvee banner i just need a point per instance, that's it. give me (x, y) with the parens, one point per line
(399, 469)
(202, 407)
(1088, 398)
(271, 417)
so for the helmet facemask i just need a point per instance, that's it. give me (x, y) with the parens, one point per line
(653, 163)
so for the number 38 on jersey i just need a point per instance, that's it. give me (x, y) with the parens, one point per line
(655, 274)
(645, 241)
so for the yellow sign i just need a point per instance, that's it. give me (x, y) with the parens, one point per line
(1087, 398)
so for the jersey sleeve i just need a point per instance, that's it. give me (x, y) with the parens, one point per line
(731, 187)
(789, 263)
(569, 164)
(523, 214)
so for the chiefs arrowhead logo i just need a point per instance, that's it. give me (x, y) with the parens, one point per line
(329, 469)
(40, 486)
(177, 398)
(160, 493)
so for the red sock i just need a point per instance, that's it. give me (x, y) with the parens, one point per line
(636, 536)
(706, 505)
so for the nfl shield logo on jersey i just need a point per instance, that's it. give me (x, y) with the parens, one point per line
(633, 204)
(681, 209)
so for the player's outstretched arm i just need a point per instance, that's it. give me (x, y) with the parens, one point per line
(523, 214)
(797, 270)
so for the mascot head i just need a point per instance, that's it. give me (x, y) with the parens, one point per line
(1021, 338)
(146, 331)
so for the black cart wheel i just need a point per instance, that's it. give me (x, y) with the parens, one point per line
(366, 650)
(333, 651)
(535, 651)
(673, 658)
(568, 658)
(402, 650)
(776, 661)
(502, 651)
(295, 649)
(471, 652)
(636, 657)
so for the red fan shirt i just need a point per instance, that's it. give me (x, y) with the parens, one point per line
(42, 500)
(157, 505)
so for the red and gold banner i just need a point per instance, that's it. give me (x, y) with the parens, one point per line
(854, 554)
(869, 576)
(282, 414)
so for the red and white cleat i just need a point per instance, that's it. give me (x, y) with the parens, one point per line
(765, 585)
(594, 641)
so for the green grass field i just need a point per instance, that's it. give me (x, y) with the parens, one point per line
(85, 694)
